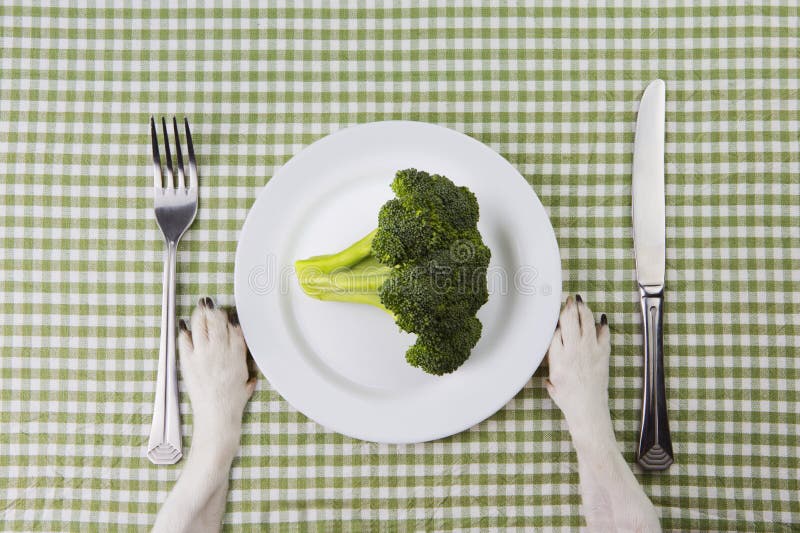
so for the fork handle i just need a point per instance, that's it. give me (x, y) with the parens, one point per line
(655, 443)
(164, 446)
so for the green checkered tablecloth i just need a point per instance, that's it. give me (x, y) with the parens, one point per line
(554, 90)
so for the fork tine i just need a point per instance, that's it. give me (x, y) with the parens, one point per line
(169, 156)
(157, 172)
(192, 161)
(179, 155)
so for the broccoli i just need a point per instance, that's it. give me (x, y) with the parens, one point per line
(425, 265)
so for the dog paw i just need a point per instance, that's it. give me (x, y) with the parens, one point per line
(578, 360)
(214, 365)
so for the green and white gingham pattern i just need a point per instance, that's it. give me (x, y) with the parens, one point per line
(552, 88)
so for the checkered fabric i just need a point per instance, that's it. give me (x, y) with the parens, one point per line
(552, 88)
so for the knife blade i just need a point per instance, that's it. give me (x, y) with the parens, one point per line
(649, 231)
(649, 242)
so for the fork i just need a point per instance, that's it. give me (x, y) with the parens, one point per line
(175, 209)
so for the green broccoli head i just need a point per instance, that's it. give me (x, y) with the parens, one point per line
(443, 288)
(428, 262)
(442, 351)
(454, 207)
(429, 213)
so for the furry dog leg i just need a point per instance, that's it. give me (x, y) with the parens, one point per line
(214, 368)
(578, 358)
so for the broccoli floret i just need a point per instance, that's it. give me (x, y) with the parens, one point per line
(444, 352)
(425, 265)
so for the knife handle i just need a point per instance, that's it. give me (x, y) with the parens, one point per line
(655, 444)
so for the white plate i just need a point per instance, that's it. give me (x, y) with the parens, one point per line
(343, 365)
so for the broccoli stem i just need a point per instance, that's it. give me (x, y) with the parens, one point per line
(350, 275)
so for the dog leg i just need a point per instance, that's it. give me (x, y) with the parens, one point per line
(214, 369)
(578, 383)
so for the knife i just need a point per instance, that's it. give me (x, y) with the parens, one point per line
(649, 240)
